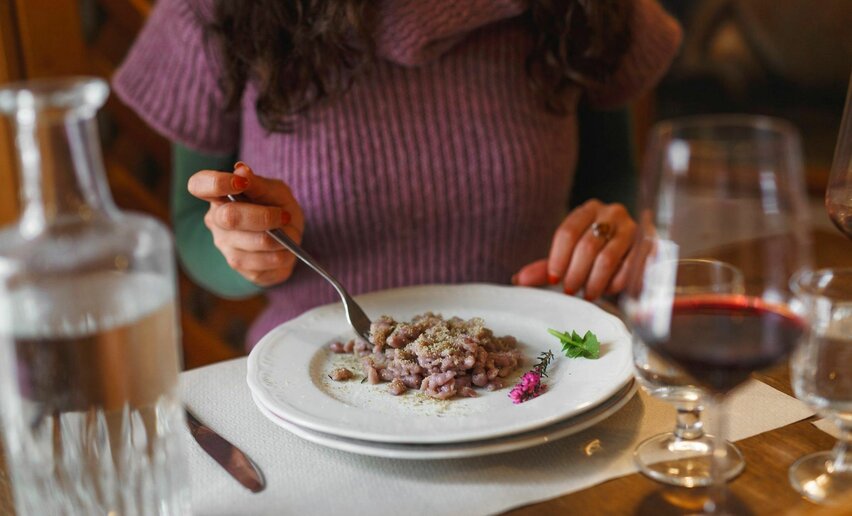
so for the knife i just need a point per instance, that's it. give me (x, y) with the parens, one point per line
(231, 458)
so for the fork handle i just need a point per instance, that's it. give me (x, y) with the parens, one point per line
(353, 310)
(282, 238)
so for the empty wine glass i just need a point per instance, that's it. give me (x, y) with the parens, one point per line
(728, 188)
(683, 457)
(838, 195)
(822, 377)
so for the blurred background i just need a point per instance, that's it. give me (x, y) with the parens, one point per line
(790, 59)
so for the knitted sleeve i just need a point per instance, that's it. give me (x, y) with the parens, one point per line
(171, 78)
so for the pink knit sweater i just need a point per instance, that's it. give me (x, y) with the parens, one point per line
(439, 166)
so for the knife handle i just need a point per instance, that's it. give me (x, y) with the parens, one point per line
(231, 458)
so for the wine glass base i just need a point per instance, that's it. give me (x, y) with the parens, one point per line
(685, 463)
(815, 478)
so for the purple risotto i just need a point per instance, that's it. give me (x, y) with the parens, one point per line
(440, 357)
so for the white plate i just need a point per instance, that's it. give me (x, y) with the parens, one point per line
(288, 369)
(520, 441)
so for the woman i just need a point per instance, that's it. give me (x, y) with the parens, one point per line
(400, 141)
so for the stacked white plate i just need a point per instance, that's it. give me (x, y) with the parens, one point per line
(288, 375)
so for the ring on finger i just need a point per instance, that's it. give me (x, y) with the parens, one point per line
(603, 230)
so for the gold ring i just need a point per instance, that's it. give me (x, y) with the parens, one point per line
(603, 230)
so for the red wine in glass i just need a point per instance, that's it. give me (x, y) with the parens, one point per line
(731, 188)
(721, 339)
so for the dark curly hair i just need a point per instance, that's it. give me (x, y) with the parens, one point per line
(302, 51)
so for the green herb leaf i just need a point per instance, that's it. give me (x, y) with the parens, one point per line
(575, 346)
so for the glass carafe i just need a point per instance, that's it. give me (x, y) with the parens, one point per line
(89, 353)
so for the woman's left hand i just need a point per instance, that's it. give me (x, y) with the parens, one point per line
(590, 250)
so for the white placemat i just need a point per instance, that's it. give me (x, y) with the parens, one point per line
(304, 478)
(828, 426)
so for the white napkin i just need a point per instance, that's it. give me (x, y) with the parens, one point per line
(305, 478)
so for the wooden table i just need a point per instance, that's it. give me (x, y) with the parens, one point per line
(5, 488)
(762, 489)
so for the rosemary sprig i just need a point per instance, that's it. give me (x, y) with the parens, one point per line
(544, 360)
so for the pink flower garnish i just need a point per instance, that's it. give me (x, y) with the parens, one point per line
(527, 388)
(530, 386)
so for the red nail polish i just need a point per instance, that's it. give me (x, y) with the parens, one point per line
(569, 291)
(285, 218)
(553, 280)
(239, 182)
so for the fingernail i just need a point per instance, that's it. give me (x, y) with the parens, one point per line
(239, 182)
(240, 164)
(285, 218)
(514, 279)
(553, 280)
(569, 291)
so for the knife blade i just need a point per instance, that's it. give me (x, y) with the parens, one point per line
(231, 458)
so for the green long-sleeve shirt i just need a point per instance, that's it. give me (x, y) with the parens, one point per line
(200, 258)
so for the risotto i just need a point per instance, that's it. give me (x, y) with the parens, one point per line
(440, 357)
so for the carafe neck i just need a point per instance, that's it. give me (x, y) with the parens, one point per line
(60, 166)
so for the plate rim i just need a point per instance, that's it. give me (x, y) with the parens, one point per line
(463, 449)
(304, 419)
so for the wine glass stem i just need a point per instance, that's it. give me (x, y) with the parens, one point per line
(717, 491)
(688, 425)
(843, 449)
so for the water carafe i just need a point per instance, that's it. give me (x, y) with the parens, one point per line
(89, 339)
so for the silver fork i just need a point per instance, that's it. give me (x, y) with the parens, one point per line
(354, 313)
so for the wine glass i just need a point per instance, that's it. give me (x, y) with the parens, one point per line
(683, 457)
(821, 370)
(838, 195)
(730, 188)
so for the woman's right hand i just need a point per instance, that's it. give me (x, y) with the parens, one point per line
(239, 229)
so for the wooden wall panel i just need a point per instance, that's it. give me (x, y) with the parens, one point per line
(10, 70)
(51, 38)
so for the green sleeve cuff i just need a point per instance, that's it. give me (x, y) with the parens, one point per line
(197, 254)
(606, 167)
